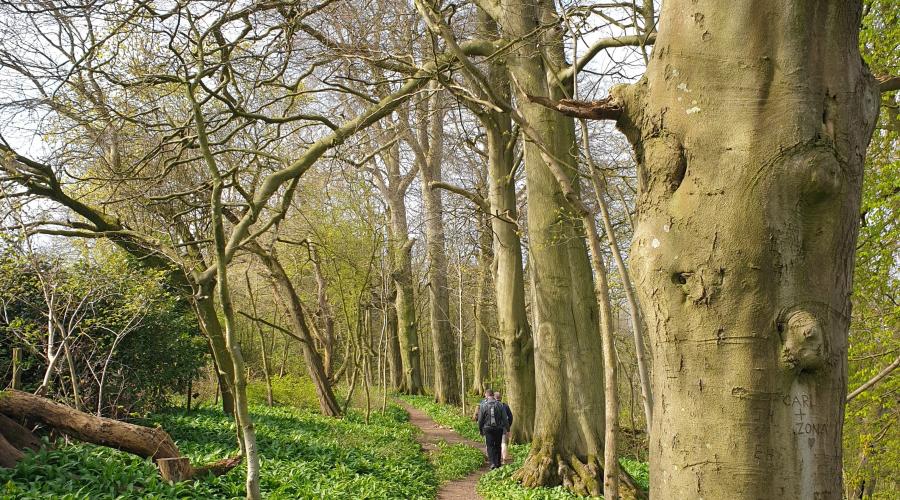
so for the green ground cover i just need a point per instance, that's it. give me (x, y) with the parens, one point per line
(303, 455)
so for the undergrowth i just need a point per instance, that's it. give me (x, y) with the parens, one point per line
(303, 455)
(499, 483)
(453, 461)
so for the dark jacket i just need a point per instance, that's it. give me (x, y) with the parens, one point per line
(500, 416)
(509, 416)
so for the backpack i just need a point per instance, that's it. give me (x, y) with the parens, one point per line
(493, 414)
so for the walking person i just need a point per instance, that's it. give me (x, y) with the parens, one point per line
(493, 424)
(504, 445)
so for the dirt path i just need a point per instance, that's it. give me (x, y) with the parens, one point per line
(459, 489)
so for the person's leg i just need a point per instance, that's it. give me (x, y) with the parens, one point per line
(504, 447)
(493, 447)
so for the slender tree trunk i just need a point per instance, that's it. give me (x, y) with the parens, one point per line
(429, 152)
(481, 357)
(635, 310)
(76, 392)
(265, 352)
(568, 430)
(205, 306)
(324, 313)
(328, 404)
(284, 356)
(750, 177)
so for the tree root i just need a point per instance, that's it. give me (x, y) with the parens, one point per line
(545, 467)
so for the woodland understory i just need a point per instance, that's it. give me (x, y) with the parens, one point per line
(237, 234)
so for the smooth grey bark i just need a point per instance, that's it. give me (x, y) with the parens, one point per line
(482, 342)
(393, 188)
(750, 182)
(428, 147)
(568, 428)
(509, 282)
(389, 317)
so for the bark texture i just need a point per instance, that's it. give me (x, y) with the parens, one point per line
(428, 147)
(509, 281)
(142, 441)
(482, 342)
(568, 428)
(750, 129)
(401, 273)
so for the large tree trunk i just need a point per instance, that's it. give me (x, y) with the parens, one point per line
(429, 149)
(146, 442)
(750, 129)
(509, 281)
(568, 429)
(394, 362)
(142, 441)
(17, 435)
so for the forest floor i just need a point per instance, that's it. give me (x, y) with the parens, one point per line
(432, 434)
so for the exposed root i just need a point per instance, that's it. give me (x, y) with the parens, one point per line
(545, 467)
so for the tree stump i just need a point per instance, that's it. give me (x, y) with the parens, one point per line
(175, 469)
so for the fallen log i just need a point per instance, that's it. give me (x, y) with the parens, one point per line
(146, 442)
(9, 455)
(138, 440)
(17, 435)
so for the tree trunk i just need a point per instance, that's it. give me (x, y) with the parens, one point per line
(324, 313)
(481, 357)
(9, 455)
(17, 435)
(264, 351)
(395, 364)
(568, 429)
(209, 322)
(509, 282)
(750, 173)
(142, 441)
(146, 442)
(429, 149)
(389, 299)
(407, 333)
(637, 330)
(328, 404)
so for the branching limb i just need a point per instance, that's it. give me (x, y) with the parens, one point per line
(607, 108)
(874, 380)
(888, 83)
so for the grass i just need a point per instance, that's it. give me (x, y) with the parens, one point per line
(303, 455)
(453, 461)
(499, 483)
